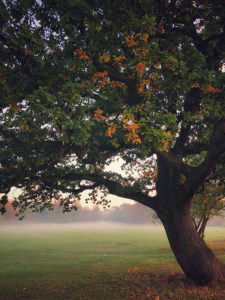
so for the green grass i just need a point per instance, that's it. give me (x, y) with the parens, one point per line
(74, 262)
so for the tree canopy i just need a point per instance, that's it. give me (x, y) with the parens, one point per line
(85, 82)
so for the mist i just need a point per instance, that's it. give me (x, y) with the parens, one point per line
(128, 214)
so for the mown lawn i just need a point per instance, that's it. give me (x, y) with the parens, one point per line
(96, 262)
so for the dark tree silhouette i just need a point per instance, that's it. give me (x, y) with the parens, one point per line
(85, 82)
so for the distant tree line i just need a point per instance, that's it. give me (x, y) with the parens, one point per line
(125, 213)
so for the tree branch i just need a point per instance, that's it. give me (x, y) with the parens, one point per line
(114, 187)
(191, 105)
(196, 148)
(217, 148)
(184, 133)
(133, 97)
(82, 188)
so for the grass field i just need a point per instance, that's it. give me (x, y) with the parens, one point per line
(96, 262)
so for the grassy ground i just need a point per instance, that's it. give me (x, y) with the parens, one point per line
(90, 262)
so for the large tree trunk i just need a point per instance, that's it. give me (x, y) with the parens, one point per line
(193, 255)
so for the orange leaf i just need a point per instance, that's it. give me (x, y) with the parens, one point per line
(83, 85)
(195, 85)
(98, 115)
(81, 54)
(27, 51)
(130, 41)
(212, 90)
(111, 129)
(161, 26)
(141, 89)
(100, 77)
(119, 58)
(105, 57)
(206, 200)
(140, 67)
(144, 37)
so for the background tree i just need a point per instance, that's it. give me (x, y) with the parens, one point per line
(125, 213)
(85, 82)
(207, 203)
(209, 200)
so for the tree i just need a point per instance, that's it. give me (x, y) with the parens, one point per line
(127, 213)
(85, 82)
(206, 204)
(209, 200)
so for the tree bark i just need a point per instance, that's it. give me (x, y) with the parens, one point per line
(201, 227)
(193, 255)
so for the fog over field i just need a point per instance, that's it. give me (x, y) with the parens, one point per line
(23, 227)
(29, 229)
(79, 226)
